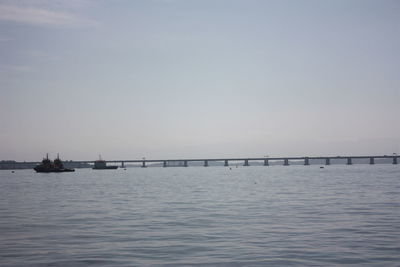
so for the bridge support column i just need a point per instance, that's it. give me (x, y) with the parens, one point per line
(185, 164)
(306, 161)
(371, 161)
(143, 164)
(164, 163)
(349, 162)
(286, 162)
(226, 164)
(394, 160)
(266, 163)
(246, 162)
(327, 161)
(206, 163)
(122, 164)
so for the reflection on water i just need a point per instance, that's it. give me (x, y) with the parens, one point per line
(246, 216)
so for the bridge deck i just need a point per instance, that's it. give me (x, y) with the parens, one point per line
(284, 159)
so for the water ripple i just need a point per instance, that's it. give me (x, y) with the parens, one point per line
(256, 216)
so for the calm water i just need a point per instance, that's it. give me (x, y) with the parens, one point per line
(247, 216)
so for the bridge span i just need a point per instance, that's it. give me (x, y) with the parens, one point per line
(349, 160)
(266, 161)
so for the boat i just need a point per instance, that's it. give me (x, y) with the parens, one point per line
(49, 166)
(101, 164)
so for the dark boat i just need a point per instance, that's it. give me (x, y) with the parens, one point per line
(49, 166)
(101, 164)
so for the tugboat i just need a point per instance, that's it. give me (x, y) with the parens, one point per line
(101, 164)
(48, 166)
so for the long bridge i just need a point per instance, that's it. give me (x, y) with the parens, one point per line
(246, 161)
(327, 160)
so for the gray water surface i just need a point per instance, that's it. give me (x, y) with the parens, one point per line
(246, 216)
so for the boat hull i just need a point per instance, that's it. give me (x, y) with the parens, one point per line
(38, 169)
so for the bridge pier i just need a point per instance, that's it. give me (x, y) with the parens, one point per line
(349, 162)
(266, 163)
(394, 160)
(306, 161)
(226, 164)
(143, 164)
(371, 161)
(122, 164)
(286, 162)
(164, 163)
(206, 163)
(327, 161)
(246, 162)
(185, 163)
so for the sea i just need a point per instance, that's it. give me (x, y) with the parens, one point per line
(338, 215)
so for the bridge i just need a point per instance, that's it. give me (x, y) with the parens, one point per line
(285, 161)
(247, 161)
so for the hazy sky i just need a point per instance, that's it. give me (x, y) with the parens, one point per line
(197, 78)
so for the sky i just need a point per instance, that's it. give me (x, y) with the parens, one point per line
(165, 79)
